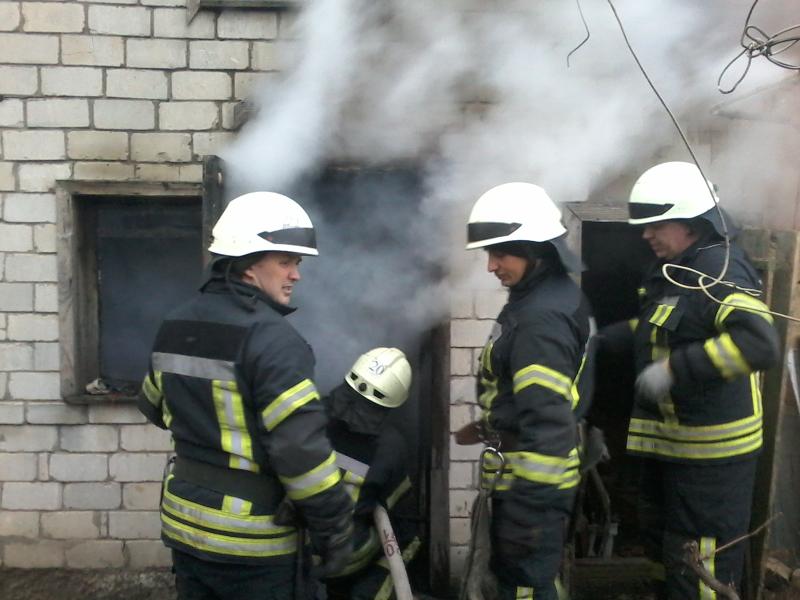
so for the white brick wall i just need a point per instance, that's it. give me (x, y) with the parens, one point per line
(52, 17)
(72, 81)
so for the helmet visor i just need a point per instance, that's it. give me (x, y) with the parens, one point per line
(639, 210)
(477, 232)
(294, 236)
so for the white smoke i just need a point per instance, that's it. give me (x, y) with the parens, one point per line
(475, 93)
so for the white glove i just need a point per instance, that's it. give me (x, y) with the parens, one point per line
(653, 383)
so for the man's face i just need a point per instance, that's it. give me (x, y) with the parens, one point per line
(668, 238)
(509, 269)
(275, 274)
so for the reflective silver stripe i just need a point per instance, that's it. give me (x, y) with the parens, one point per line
(318, 479)
(193, 366)
(703, 433)
(209, 517)
(236, 446)
(286, 404)
(226, 544)
(686, 450)
(351, 464)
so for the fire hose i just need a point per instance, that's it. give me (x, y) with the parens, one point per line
(394, 556)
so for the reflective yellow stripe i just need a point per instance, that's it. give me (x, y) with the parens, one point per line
(353, 474)
(524, 593)
(236, 505)
(288, 402)
(661, 314)
(224, 544)
(234, 437)
(486, 357)
(633, 324)
(545, 377)
(386, 589)
(707, 547)
(363, 555)
(398, 492)
(726, 356)
(675, 449)
(739, 301)
(152, 390)
(542, 468)
(317, 480)
(696, 433)
(755, 392)
(574, 391)
(488, 394)
(490, 465)
(642, 292)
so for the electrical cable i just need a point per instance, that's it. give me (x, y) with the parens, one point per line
(755, 42)
(718, 280)
(586, 27)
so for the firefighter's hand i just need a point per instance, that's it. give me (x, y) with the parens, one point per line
(654, 382)
(287, 515)
(334, 552)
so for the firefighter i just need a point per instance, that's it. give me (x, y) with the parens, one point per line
(233, 382)
(697, 413)
(533, 385)
(373, 458)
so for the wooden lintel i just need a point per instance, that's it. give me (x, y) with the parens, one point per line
(129, 188)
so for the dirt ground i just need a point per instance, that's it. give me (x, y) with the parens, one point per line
(38, 584)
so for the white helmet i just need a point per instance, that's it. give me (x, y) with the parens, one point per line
(382, 376)
(672, 190)
(513, 212)
(263, 222)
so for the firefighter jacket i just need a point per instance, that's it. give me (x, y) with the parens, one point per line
(714, 348)
(232, 380)
(535, 384)
(374, 471)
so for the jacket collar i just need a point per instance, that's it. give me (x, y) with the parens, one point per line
(244, 292)
(529, 281)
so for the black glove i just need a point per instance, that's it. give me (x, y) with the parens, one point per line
(287, 515)
(334, 551)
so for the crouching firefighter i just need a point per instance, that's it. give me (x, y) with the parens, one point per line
(535, 371)
(697, 415)
(373, 458)
(233, 382)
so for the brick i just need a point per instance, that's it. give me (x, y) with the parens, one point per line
(22, 81)
(266, 56)
(92, 495)
(470, 333)
(18, 466)
(204, 144)
(187, 115)
(247, 85)
(141, 496)
(30, 208)
(119, 20)
(9, 16)
(103, 171)
(96, 554)
(461, 502)
(16, 357)
(15, 238)
(42, 178)
(124, 114)
(133, 525)
(201, 85)
(171, 23)
(46, 358)
(72, 524)
(458, 558)
(31, 267)
(488, 304)
(219, 55)
(55, 413)
(34, 386)
(247, 24)
(11, 113)
(11, 413)
(28, 438)
(136, 83)
(19, 524)
(156, 54)
(461, 415)
(137, 466)
(161, 147)
(33, 145)
(464, 453)
(92, 50)
(27, 48)
(462, 390)
(461, 306)
(113, 1)
(287, 25)
(60, 112)
(31, 496)
(70, 467)
(89, 438)
(164, 3)
(110, 413)
(460, 361)
(45, 294)
(72, 81)
(172, 172)
(34, 555)
(461, 476)
(32, 327)
(97, 145)
(145, 554)
(7, 179)
(228, 114)
(136, 438)
(62, 17)
(460, 532)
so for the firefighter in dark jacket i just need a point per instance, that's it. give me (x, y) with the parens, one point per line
(372, 456)
(535, 375)
(233, 382)
(697, 413)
